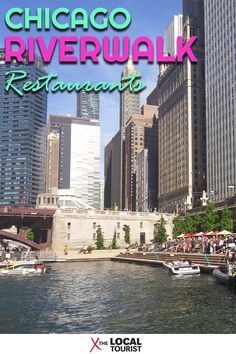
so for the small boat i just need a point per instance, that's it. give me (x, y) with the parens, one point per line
(178, 268)
(22, 267)
(222, 275)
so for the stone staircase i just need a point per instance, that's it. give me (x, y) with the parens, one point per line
(203, 260)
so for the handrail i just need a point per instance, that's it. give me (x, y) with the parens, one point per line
(207, 259)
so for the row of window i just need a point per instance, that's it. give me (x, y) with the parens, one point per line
(95, 225)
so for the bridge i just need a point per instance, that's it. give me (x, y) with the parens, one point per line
(33, 226)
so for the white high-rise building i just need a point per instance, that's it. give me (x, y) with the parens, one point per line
(80, 159)
(173, 30)
(220, 39)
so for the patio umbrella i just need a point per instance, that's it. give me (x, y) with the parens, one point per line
(188, 235)
(209, 233)
(181, 235)
(224, 233)
(216, 232)
(199, 234)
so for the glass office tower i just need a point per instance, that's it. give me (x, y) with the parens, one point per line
(220, 39)
(22, 137)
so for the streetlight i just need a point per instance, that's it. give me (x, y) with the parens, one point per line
(206, 196)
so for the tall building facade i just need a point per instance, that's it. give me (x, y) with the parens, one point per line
(88, 105)
(141, 133)
(182, 121)
(112, 175)
(220, 38)
(22, 137)
(107, 175)
(56, 121)
(79, 156)
(52, 164)
(101, 196)
(129, 101)
(173, 30)
(142, 181)
(115, 177)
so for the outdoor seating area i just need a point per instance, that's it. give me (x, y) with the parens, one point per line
(207, 243)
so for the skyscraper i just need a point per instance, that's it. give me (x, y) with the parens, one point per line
(129, 101)
(181, 128)
(112, 174)
(52, 165)
(115, 168)
(220, 38)
(140, 134)
(173, 30)
(22, 137)
(79, 156)
(88, 105)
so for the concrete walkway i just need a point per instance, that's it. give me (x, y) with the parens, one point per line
(103, 255)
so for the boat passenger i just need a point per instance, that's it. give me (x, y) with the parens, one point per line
(40, 266)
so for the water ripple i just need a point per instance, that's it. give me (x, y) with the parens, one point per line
(110, 297)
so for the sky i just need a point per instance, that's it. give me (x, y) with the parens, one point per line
(149, 18)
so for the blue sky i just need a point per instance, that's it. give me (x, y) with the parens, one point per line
(149, 18)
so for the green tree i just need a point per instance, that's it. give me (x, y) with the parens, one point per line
(210, 218)
(188, 225)
(126, 229)
(99, 240)
(197, 223)
(178, 227)
(114, 244)
(30, 235)
(226, 220)
(160, 234)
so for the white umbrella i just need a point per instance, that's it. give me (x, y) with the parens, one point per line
(209, 233)
(224, 233)
(199, 234)
(182, 235)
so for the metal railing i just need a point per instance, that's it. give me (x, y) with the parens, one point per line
(43, 255)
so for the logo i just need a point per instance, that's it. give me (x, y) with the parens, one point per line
(125, 344)
(97, 343)
(117, 344)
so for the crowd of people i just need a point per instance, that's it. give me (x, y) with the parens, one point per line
(200, 244)
(8, 253)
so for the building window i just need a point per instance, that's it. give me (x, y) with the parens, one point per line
(68, 225)
(94, 225)
(48, 200)
(118, 225)
(141, 225)
(39, 200)
(53, 200)
(118, 235)
(68, 236)
(94, 236)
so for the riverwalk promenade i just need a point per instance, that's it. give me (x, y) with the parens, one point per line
(76, 256)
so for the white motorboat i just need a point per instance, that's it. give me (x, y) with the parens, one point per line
(179, 268)
(226, 275)
(22, 267)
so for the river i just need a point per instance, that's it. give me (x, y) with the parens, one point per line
(112, 297)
